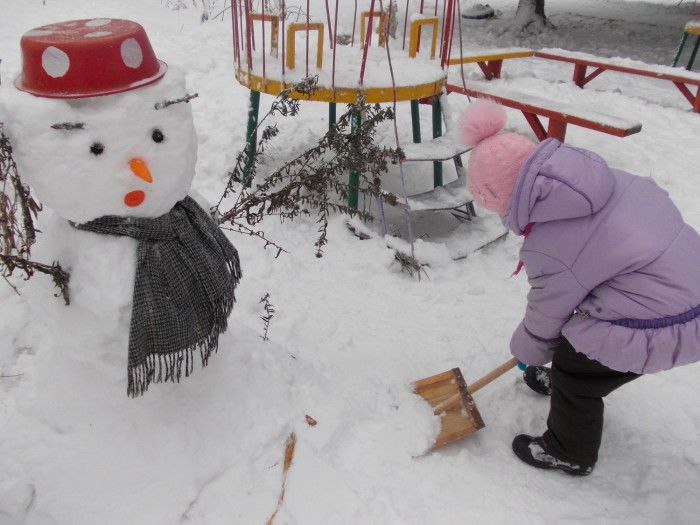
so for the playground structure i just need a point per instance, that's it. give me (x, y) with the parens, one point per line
(377, 49)
(389, 51)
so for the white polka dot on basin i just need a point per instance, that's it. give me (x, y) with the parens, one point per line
(38, 32)
(98, 22)
(131, 53)
(55, 62)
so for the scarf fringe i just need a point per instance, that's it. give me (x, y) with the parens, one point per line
(161, 368)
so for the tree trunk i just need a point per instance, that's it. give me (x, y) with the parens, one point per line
(530, 15)
(539, 8)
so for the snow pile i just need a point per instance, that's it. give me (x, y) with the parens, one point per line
(350, 331)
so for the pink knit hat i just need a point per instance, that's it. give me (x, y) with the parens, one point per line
(496, 158)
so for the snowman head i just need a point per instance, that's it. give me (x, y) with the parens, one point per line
(115, 149)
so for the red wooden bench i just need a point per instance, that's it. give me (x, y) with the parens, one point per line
(489, 60)
(680, 77)
(560, 114)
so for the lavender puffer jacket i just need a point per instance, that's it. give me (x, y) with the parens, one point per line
(611, 264)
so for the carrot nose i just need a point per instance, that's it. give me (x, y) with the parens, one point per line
(140, 169)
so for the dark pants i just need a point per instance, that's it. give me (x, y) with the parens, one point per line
(575, 423)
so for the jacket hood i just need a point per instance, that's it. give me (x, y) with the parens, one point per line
(558, 181)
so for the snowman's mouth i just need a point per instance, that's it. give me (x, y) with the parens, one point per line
(134, 198)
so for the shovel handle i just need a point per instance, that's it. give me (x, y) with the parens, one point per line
(493, 374)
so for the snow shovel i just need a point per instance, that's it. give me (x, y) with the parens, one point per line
(451, 399)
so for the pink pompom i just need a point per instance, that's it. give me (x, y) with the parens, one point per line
(482, 119)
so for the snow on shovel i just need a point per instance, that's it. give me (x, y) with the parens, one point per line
(450, 398)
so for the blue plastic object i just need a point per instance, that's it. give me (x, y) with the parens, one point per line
(522, 366)
(478, 12)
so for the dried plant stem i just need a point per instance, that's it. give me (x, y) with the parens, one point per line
(17, 233)
(289, 447)
(316, 181)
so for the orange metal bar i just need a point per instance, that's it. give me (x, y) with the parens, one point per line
(274, 32)
(415, 39)
(382, 23)
(291, 42)
(343, 95)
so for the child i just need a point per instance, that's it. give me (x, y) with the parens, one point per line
(614, 275)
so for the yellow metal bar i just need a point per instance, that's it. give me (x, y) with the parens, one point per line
(363, 26)
(692, 28)
(415, 31)
(274, 31)
(291, 42)
(341, 95)
(489, 56)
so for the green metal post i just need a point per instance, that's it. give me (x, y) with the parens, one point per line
(680, 49)
(332, 115)
(437, 132)
(354, 178)
(251, 134)
(693, 54)
(415, 120)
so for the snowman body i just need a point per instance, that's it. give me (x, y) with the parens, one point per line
(127, 154)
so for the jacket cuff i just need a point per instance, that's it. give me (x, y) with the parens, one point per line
(530, 349)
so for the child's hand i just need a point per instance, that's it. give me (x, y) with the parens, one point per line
(522, 366)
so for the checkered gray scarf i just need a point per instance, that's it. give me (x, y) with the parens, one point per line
(186, 274)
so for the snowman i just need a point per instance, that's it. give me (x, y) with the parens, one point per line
(103, 134)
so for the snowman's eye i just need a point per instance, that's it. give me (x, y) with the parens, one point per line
(157, 135)
(97, 148)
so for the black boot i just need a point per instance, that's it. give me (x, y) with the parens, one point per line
(537, 378)
(534, 452)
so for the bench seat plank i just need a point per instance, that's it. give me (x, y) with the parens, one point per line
(681, 78)
(559, 113)
(489, 60)
(485, 54)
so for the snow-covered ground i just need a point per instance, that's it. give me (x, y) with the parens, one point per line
(350, 331)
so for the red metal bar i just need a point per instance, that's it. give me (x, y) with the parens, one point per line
(330, 31)
(405, 25)
(593, 75)
(693, 99)
(354, 25)
(264, 43)
(447, 34)
(579, 74)
(495, 66)
(442, 27)
(368, 41)
(308, 33)
(241, 32)
(284, 38)
(234, 27)
(556, 129)
(249, 37)
(580, 78)
(335, 32)
(536, 125)
(491, 68)
(485, 69)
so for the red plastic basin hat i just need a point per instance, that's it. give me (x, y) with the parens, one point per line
(87, 58)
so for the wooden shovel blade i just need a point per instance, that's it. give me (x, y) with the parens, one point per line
(448, 396)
